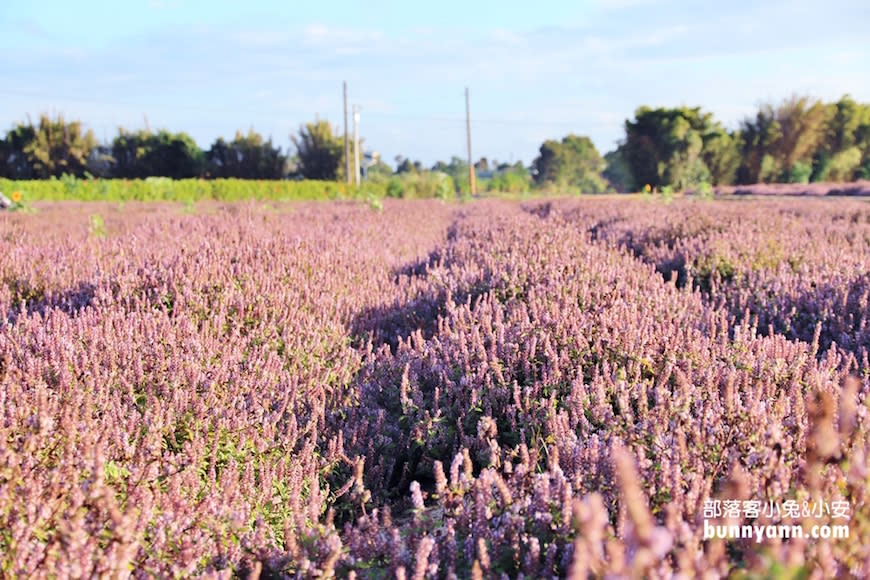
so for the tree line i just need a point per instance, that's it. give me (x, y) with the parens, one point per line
(54, 147)
(798, 140)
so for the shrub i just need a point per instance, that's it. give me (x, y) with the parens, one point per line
(800, 172)
(394, 188)
(845, 164)
(705, 191)
(183, 190)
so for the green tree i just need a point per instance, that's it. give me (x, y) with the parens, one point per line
(800, 172)
(50, 149)
(247, 157)
(457, 170)
(779, 142)
(128, 152)
(663, 147)
(141, 154)
(758, 137)
(802, 124)
(846, 117)
(319, 151)
(618, 172)
(379, 171)
(15, 164)
(846, 135)
(510, 178)
(101, 162)
(572, 163)
(405, 165)
(721, 155)
(175, 155)
(844, 165)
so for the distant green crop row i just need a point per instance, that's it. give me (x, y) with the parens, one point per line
(183, 190)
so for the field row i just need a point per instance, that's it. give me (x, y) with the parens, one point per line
(432, 389)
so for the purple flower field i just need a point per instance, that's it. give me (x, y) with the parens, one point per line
(488, 389)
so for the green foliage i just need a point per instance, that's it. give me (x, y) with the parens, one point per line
(141, 154)
(769, 170)
(844, 127)
(711, 269)
(373, 201)
(405, 165)
(19, 203)
(246, 156)
(319, 151)
(187, 190)
(802, 124)
(572, 164)
(844, 164)
(96, 226)
(721, 154)
(394, 188)
(821, 167)
(116, 473)
(415, 183)
(680, 147)
(758, 137)
(444, 189)
(49, 149)
(379, 170)
(14, 163)
(780, 137)
(510, 179)
(800, 172)
(618, 171)
(667, 147)
(426, 184)
(457, 170)
(704, 191)
(688, 170)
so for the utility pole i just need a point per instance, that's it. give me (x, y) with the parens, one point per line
(346, 139)
(356, 145)
(471, 182)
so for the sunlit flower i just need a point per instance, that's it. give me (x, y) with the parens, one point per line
(499, 381)
(16, 197)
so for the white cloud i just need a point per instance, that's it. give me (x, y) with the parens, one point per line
(525, 85)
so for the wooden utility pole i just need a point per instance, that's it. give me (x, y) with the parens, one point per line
(356, 145)
(346, 139)
(471, 181)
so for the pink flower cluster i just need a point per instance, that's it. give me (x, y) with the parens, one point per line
(431, 390)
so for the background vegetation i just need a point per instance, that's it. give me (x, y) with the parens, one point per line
(799, 140)
(185, 190)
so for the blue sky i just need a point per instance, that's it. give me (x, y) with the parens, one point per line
(536, 70)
